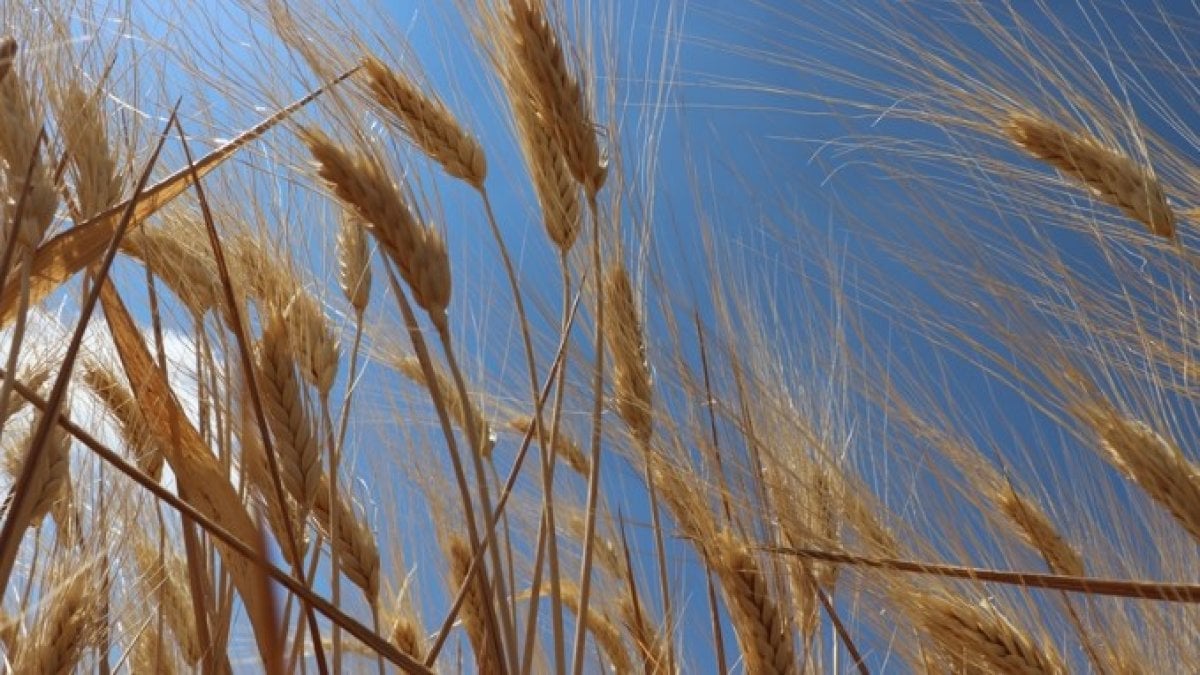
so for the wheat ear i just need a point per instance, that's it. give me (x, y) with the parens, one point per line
(418, 251)
(98, 182)
(410, 367)
(288, 415)
(540, 58)
(175, 254)
(163, 573)
(626, 341)
(119, 400)
(354, 262)
(981, 639)
(762, 631)
(474, 609)
(30, 182)
(557, 191)
(1039, 532)
(358, 552)
(1153, 462)
(428, 122)
(607, 635)
(50, 482)
(1112, 175)
(65, 626)
(565, 447)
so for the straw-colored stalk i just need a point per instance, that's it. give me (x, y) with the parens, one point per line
(410, 367)
(1112, 175)
(428, 122)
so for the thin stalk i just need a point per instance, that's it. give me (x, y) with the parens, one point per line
(546, 449)
(473, 425)
(593, 491)
(546, 527)
(448, 623)
(423, 356)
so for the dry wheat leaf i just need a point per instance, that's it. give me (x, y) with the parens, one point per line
(197, 470)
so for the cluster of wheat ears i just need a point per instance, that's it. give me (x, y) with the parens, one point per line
(364, 389)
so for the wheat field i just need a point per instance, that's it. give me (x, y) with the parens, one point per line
(544, 336)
